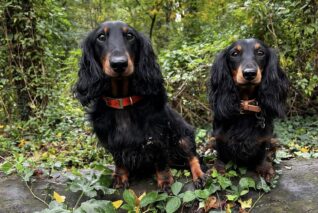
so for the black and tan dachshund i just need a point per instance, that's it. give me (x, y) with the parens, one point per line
(247, 90)
(122, 88)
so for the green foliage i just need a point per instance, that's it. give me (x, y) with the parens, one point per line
(42, 129)
(299, 136)
(98, 206)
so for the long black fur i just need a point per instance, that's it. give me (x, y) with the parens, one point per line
(143, 137)
(239, 138)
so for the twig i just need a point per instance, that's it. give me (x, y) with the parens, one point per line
(258, 199)
(36, 197)
(78, 200)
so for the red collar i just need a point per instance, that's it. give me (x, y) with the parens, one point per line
(121, 103)
(250, 105)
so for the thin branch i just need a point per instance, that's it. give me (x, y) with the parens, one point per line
(258, 199)
(36, 197)
(153, 20)
(78, 200)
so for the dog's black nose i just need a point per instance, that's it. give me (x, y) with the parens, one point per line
(249, 73)
(118, 63)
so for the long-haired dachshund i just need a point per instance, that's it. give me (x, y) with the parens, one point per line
(247, 90)
(122, 88)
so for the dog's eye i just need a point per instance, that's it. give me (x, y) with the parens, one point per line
(235, 53)
(260, 52)
(130, 36)
(102, 37)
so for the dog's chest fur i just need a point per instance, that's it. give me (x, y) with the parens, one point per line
(240, 139)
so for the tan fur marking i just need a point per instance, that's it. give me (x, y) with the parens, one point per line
(121, 175)
(257, 45)
(238, 47)
(106, 29)
(258, 77)
(238, 76)
(195, 168)
(130, 67)
(106, 67)
(164, 178)
(125, 29)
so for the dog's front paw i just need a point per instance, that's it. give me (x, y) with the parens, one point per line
(119, 182)
(200, 181)
(164, 180)
(266, 170)
(120, 178)
(198, 176)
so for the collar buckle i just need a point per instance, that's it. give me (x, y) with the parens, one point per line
(120, 103)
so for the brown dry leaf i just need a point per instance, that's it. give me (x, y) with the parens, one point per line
(242, 210)
(212, 203)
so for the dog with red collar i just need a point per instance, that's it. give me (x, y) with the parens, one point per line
(122, 88)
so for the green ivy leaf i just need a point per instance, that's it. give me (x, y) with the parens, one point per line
(176, 188)
(130, 197)
(162, 196)
(244, 192)
(188, 196)
(246, 182)
(96, 206)
(232, 197)
(173, 205)
(224, 182)
(204, 194)
(262, 185)
(7, 168)
(149, 198)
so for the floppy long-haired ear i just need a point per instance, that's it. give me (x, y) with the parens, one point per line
(148, 78)
(89, 85)
(274, 87)
(223, 95)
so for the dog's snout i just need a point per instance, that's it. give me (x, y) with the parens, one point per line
(249, 73)
(118, 63)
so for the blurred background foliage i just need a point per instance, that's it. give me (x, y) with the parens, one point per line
(40, 49)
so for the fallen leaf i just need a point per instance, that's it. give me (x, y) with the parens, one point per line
(304, 149)
(22, 142)
(246, 204)
(212, 203)
(36, 156)
(58, 198)
(288, 167)
(242, 210)
(228, 208)
(141, 196)
(117, 203)
(1, 126)
(38, 172)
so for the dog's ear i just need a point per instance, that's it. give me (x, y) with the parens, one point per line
(223, 95)
(148, 78)
(89, 86)
(274, 87)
